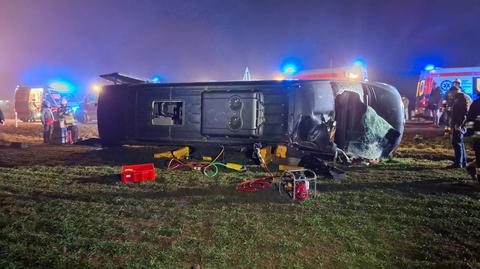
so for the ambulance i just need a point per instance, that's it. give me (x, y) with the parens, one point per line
(28, 101)
(444, 77)
(354, 73)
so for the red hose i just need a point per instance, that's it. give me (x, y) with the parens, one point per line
(176, 163)
(254, 185)
(257, 184)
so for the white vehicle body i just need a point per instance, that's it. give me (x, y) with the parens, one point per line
(444, 77)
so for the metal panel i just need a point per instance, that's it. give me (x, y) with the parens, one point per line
(232, 113)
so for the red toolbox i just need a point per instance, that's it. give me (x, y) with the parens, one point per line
(138, 173)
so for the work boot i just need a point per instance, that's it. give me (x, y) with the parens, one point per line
(453, 166)
(472, 171)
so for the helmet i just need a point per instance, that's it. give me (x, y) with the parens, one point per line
(457, 81)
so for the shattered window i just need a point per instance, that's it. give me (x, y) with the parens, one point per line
(341, 87)
(371, 143)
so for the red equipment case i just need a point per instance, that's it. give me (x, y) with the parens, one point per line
(138, 173)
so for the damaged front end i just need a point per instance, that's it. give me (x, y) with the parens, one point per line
(361, 119)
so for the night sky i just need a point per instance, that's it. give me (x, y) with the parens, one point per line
(190, 40)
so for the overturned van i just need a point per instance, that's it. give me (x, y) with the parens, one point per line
(312, 116)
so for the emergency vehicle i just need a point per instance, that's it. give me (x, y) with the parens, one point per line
(28, 101)
(444, 77)
(357, 72)
(86, 111)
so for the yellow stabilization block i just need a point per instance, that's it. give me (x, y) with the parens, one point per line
(283, 167)
(234, 166)
(266, 154)
(181, 153)
(281, 151)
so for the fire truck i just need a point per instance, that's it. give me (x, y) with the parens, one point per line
(444, 77)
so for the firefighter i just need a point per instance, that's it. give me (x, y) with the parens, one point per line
(47, 119)
(72, 129)
(473, 131)
(66, 115)
(459, 109)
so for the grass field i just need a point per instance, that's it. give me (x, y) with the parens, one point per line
(63, 207)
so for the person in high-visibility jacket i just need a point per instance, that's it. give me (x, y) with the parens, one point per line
(66, 115)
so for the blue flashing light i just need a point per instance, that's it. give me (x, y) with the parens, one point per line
(289, 69)
(429, 67)
(51, 75)
(62, 86)
(360, 62)
(157, 79)
(75, 108)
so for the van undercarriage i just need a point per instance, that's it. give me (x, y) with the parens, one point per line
(361, 119)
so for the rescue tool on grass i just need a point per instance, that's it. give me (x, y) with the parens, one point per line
(209, 169)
